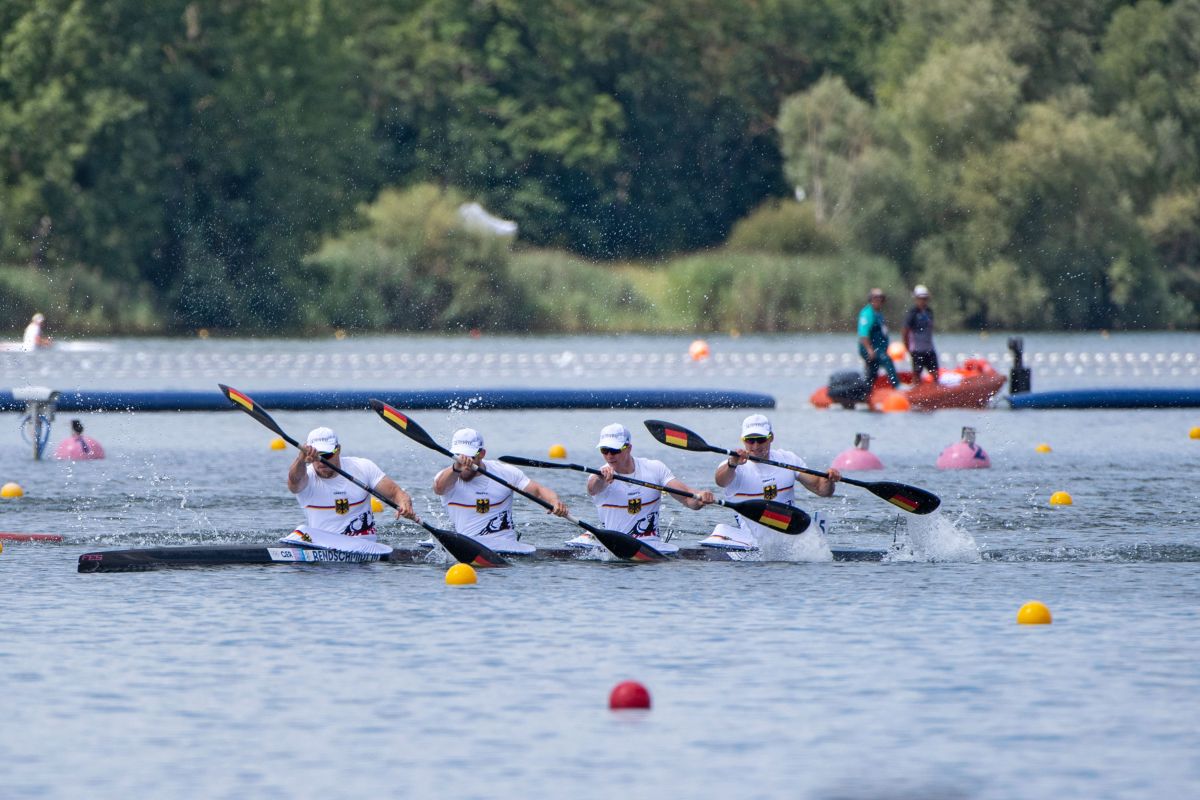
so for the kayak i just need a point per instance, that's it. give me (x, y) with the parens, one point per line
(971, 384)
(212, 555)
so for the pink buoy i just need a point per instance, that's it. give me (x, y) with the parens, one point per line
(78, 446)
(964, 454)
(858, 457)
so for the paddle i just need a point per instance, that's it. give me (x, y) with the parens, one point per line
(781, 517)
(909, 498)
(622, 545)
(462, 548)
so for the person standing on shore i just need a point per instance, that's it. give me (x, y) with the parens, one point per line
(873, 339)
(918, 335)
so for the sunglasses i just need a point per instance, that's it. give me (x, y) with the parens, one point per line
(610, 451)
(328, 455)
(754, 439)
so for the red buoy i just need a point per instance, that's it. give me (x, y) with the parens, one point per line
(629, 694)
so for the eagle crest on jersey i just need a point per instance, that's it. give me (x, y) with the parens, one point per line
(770, 491)
(482, 505)
(341, 505)
(635, 505)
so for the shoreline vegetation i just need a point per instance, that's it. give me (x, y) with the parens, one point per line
(682, 166)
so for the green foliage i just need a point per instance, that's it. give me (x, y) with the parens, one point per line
(575, 296)
(76, 301)
(722, 291)
(414, 266)
(783, 227)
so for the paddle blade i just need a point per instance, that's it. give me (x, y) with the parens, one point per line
(677, 436)
(624, 546)
(466, 550)
(909, 498)
(247, 404)
(777, 516)
(401, 422)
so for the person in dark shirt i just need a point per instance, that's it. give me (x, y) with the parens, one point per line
(918, 335)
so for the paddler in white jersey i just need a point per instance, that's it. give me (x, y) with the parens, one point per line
(480, 507)
(627, 507)
(338, 513)
(743, 479)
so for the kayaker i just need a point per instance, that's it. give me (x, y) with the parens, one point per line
(873, 339)
(627, 507)
(743, 479)
(33, 338)
(482, 508)
(337, 512)
(918, 335)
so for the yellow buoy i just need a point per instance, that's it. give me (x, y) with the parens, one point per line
(1060, 499)
(1043, 448)
(278, 444)
(698, 350)
(376, 506)
(1033, 613)
(558, 451)
(461, 575)
(12, 490)
(1194, 433)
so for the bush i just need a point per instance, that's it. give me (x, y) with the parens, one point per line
(722, 291)
(574, 296)
(76, 301)
(782, 227)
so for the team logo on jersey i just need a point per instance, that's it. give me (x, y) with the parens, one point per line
(635, 505)
(482, 505)
(341, 505)
(770, 491)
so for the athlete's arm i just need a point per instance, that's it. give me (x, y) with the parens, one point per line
(550, 496)
(389, 488)
(297, 477)
(702, 499)
(727, 468)
(819, 485)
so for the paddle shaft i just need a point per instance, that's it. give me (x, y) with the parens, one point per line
(792, 467)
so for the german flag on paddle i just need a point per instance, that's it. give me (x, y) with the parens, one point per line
(240, 399)
(907, 503)
(675, 437)
(395, 417)
(775, 519)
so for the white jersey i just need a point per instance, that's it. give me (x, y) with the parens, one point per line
(754, 481)
(33, 336)
(633, 509)
(482, 507)
(335, 505)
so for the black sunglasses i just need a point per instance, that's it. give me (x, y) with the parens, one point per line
(328, 455)
(754, 439)
(610, 451)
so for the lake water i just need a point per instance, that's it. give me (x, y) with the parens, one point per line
(903, 679)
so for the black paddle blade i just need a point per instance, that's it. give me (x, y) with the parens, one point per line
(622, 545)
(777, 516)
(408, 427)
(247, 404)
(909, 498)
(467, 550)
(674, 435)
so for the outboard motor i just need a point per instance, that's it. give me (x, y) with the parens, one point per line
(1020, 378)
(848, 387)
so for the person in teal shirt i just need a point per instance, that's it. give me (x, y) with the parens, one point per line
(873, 338)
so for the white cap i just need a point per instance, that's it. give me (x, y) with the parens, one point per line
(920, 291)
(756, 425)
(324, 439)
(615, 436)
(466, 442)
(39, 318)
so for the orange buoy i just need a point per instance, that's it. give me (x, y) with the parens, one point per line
(698, 351)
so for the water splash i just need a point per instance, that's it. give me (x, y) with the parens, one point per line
(934, 538)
